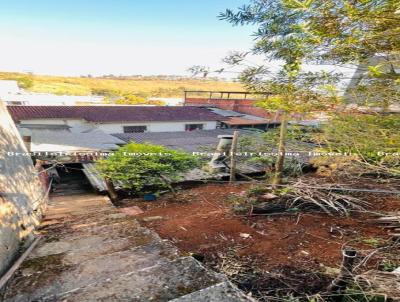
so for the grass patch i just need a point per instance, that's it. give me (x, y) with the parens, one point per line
(145, 87)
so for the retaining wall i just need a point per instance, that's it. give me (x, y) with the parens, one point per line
(22, 196)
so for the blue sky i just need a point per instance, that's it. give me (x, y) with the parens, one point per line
(73, 37)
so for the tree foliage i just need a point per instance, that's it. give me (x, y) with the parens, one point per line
(375, 139)
(282, 34)
(360, 32)
(135, 166)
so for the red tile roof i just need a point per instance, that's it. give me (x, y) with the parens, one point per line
(105, 114)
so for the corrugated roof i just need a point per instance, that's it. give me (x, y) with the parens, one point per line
(226, 113)
(245, 121)
(104, 114)
(190, 141)
(53, 140)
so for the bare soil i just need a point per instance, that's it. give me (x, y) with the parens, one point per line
(270, 254)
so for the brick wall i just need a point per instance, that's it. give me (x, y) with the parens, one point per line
(22, 197)
(239, 105)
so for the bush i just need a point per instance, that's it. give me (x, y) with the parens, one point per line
(375, 139)
(135, 166)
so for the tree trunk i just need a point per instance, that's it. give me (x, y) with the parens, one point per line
(111, 190)
(277, 179)
(168, 184)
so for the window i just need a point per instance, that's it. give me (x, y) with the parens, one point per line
(135, 129)
(191, 127)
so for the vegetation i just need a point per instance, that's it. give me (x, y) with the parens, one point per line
(373, 139)
(282, 35)
(139, 86)
(135, 166)
(364, 33)
(129, 99)
(25, 82)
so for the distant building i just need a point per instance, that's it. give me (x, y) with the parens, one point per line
(241, 102)
(238, 108)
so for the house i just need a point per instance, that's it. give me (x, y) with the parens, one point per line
(237, 120)
(118, 119)
(88, 128)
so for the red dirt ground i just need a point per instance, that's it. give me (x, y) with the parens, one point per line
(200, 221)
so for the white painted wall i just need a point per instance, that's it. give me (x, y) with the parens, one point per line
(156, 126)
(80, 125)
(44, 121)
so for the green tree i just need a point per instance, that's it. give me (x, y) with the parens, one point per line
(282, 35)
(135, 166)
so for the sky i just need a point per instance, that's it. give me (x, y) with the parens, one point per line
(120, 37)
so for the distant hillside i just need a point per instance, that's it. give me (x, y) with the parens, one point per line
(157, 86)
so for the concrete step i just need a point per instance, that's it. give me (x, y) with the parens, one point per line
(69, 192)
(58, 242)
(80, 269)
(161, 282)
(221, 292)
(90, 251)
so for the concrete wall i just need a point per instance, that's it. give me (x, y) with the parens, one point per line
(22, 195)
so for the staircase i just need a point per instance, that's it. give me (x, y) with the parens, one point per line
(72, 182)
(90, 251)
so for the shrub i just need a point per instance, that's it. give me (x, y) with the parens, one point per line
(374, 139)
(135, 166)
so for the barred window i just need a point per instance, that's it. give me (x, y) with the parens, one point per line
(135, 129)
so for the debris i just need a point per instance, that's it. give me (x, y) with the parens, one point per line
(391, 221)
(132, 211)
(268, 196)
(244, 235)
(152, 218)
(339, 284)
(302, 196)
(384, 283)
(305, 253)
(149, 197)
(268, 207)
(117, 215)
